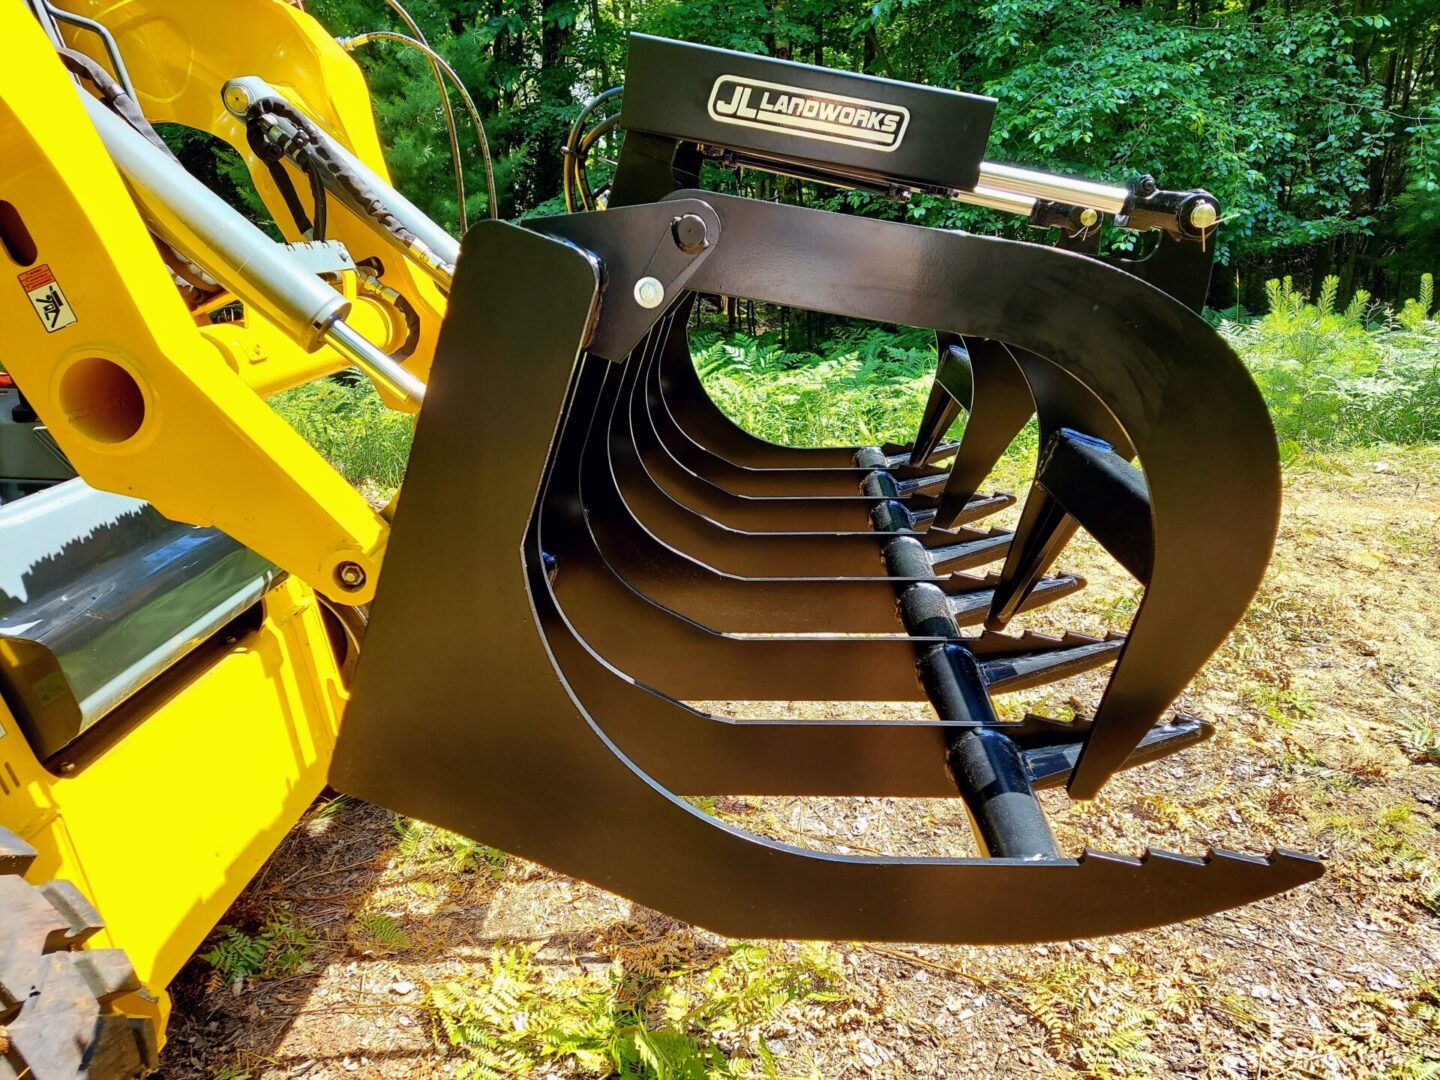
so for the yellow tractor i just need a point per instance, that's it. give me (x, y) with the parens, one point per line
(586, 551)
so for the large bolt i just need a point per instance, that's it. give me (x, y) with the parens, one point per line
(689, 232)
(649, 293)
(350, 575)
(237, 98)
(1203, 215)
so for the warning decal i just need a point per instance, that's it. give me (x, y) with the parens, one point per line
(50, 304)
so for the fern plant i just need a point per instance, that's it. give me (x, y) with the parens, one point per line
(428, 847)
(379, 932)
(508, 1019)
(280, 947)
(1338, 378)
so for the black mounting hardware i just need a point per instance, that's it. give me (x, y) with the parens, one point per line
(879, 130)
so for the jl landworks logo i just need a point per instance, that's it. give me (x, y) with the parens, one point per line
(797, 111)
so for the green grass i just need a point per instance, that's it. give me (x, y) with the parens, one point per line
(353, 431)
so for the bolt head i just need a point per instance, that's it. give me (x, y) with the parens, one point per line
(237, 99)
(1089, 217)
(690, 233)
(1204, 215)
(350, 575)
(649, 293)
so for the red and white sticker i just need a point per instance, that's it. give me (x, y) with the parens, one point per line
(49, 301)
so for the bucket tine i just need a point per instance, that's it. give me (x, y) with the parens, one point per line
(999, 405)
(949, 396)
(719, 529)
(1044, 530)
(679, 580)
(741, 479)
(1063, 404)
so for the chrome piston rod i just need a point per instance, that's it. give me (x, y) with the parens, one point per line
(202, 226)
(1020, 183)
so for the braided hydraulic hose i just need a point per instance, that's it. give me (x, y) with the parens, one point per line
(350, 44)
(353, 184)
(582, 172)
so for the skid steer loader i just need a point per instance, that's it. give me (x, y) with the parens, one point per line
(587, 554)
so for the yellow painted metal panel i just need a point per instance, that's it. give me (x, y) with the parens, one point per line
(164, 829)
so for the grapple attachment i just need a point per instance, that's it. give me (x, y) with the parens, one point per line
(540, 643)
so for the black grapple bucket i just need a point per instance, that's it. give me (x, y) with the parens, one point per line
(586, 547)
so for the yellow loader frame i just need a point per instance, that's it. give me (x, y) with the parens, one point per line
(199, 781)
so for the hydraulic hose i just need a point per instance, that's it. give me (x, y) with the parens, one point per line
(574, 163)
(450, 128)
(350, 44)
(338, 168)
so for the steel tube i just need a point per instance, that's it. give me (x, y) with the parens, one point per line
(201, 225)
(990, 771)
(383, 371)
(997, 200)
(1009, 180)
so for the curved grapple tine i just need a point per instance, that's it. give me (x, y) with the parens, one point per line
(735, 478)
(950, 394)
(1063, 403)
(762, 500)
(683, 583)
(719, 529)
(998, 402)
(696, 413)
(528, 723)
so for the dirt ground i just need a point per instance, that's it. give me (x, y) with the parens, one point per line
(1327, 701)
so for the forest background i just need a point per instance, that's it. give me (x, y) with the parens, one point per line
(1315, 122)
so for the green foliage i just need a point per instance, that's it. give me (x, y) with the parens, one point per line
(352, 429)
(509, 1019)
(381, 932)
(866, 387)
(425, 846)
(1291, 113)
(1420, 738)
(280, 947)
(1339, 378)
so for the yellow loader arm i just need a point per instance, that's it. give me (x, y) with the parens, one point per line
(153, 397)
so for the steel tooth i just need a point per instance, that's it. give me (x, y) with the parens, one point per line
(1052, 748)
(988, 548)
(992, 644)
(923, 511)
(902, 456)
(1226, 853)
(980, 506)
(1161, 855)
(919, 483)
(970, 608)
(1093, 855)
(1034, 669)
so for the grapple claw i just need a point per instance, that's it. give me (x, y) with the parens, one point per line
(663, 558)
